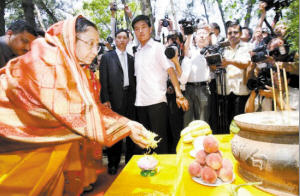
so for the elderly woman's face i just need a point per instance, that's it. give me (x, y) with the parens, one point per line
(87, 45)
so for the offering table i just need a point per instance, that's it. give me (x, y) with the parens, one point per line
(173, 177)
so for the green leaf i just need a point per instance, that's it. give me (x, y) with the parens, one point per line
(152, 172)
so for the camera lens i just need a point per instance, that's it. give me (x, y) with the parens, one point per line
(109, 39)
(165, 23)
(252, 84)
(170, 51)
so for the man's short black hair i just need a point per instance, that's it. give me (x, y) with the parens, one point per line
(40, 32)
(82, 24)
(250, 31)
(215, 26)
(232, 24)
(122, 30)
(19, 26)
(174, 35)
(140, 18)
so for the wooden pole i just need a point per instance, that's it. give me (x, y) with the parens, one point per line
(286, 89)
(280, 87)
(273, 90)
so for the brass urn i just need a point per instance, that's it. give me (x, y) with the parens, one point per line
(267, 149)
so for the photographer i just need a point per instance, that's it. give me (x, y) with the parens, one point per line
(174, 52)
(257, 39)
(167, 23)
(260, 98)
(216, 33)
(113, 21)
(196, 76)
(236, 60)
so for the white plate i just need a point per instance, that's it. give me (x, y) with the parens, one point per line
(194, 152)
(219, 182)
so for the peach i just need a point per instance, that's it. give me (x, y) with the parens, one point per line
(225, 174)
(226, 163)
(219, 153)
(195, 169)
(208, 175)
(214, 161)
(200, 157)
(210, 144)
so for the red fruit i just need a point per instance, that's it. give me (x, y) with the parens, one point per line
(214, 161)
(226, 163)
(210, 144)
(225, 174)
(195, 169)
(200, 157)
(208, 175)
(219, 153)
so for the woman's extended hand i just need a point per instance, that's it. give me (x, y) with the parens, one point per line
(139, 134)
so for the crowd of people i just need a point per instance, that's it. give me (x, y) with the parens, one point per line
(50, 90)
(175, 84)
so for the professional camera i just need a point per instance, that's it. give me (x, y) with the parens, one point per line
(165, 22)
(283, 54)
(189, 25)
(115, 7)
(263, 79)
(171, 49)
(261, 51)
(213, 53)
(277, 4)
(109, 39)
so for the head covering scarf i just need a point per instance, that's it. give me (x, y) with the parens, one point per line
(46, 96)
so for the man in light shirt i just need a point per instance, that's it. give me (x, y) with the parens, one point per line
(236, 60)
(196, 76)
(152, 69)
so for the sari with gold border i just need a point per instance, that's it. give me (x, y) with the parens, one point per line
(49, 107)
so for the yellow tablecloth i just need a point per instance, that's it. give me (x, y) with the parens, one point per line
(173, 177)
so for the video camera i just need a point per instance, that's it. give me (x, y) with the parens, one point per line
(189, 25)
(263, 79)
(213, 53)
(280, 53)
(277, 4)
(261, 51)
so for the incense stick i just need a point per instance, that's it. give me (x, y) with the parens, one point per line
(280, 87)
(273, 90)
(286, 89)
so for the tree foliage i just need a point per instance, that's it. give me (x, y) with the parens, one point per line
(99, 12)
(51, 10)
(292, 21)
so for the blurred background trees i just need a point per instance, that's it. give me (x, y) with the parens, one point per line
(43, 13)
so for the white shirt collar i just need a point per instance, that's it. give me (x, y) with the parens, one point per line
(119, 52)
(149, 43)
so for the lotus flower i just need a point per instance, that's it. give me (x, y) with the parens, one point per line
(147, 163)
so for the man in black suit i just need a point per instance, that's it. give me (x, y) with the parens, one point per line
(118, 91)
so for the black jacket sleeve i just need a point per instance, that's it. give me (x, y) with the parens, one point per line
(104, 95)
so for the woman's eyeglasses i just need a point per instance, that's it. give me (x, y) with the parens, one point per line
(90, 43)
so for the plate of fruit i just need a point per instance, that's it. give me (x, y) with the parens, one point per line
(209, 167)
